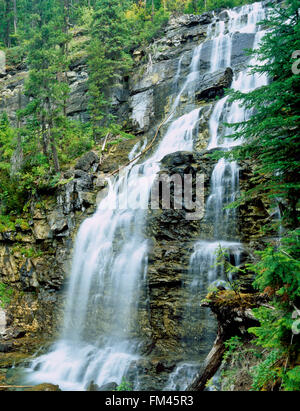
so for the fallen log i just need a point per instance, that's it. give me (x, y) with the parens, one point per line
(213, 362)
(234, 316)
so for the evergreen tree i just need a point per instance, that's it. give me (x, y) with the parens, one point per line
(271, 142)
(108, 56)
(46, 84)
(271, 135)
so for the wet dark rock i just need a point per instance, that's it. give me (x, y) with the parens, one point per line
(14, 333)
(224, 15)
(111, 386)
(178, 158)
(6, 347)
(188, 20)
(165, 366)
(218, 88)
(92, 387)
(69, 174)
(240, 44)
(86, 162)
(44, 387)
(84, 182)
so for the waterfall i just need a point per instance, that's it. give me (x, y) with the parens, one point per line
(99, 339)
(224, 187)
(204, 270)
(100, 334)
(189, 86)
(2, 321)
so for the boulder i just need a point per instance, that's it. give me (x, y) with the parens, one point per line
(86, 162)
(110, 386)
(42, 230)
(6, 347)
(218, 87)
(224, 15)
(241, 42)
(58, 222)
(44, 387)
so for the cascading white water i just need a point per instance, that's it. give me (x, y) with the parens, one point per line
(243, 20)
(2, 322)
(204, 269)
(99, 337)
(224, 187)
(221, 52)
(204, 272)
(233, 112)
(214, 122)
(177, 75)
(190, 83)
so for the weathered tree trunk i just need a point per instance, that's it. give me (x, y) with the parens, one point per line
(44, 138)
(54, 151)
(51, 139)
(7, 22)
(15, 16)
(234, 318)
(17, 158)
(213, 362)
(65, 45)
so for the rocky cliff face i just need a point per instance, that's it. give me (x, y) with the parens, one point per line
(143, 99)
(35, 257)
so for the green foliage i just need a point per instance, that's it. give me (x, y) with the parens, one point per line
(77, 139)
(267, 372)
(124, 386)
(291, 380)
(33, 152)
(200, 6)
(187, 6)
(232, 347)
(23, 224)
(9, 194)
(6, 224)
(5, 294)
(279, 268)
(271, 134)
(231, 272)
(27, 252)
(271, 142)
(278, 274)
(108, 57)
(15, 56)
(238, 357)
(145, 25)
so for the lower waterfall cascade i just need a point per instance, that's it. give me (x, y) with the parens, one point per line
(100, 336)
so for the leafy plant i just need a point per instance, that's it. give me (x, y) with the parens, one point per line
(278, 275)
(231, 272)
(232, 348)
(124, 386)
(5, 294)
